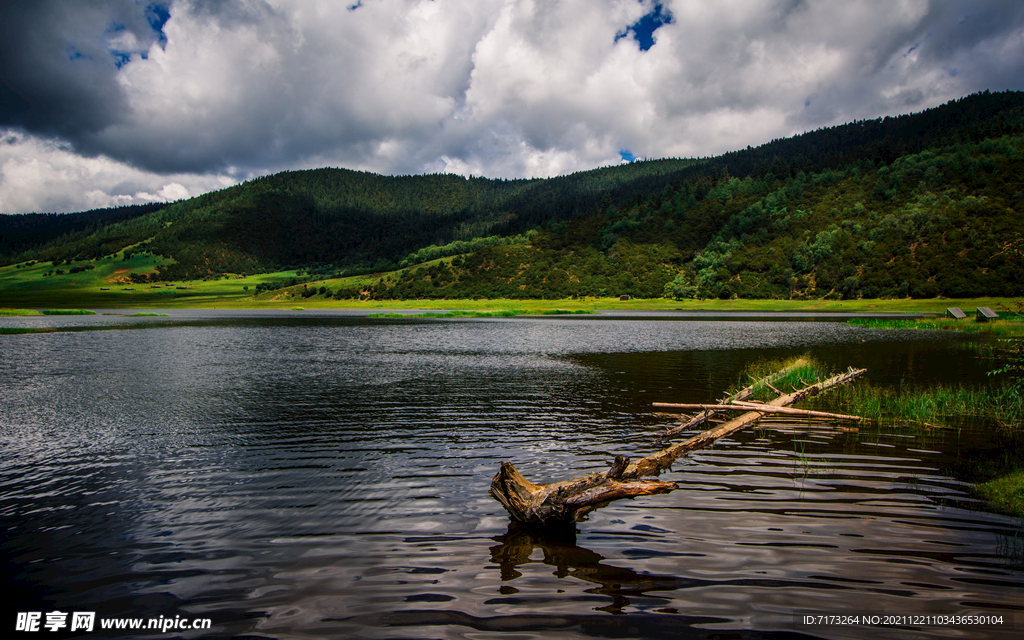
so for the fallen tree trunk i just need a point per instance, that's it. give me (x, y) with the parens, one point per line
(740, 395)
(571, 500)
(760, 407)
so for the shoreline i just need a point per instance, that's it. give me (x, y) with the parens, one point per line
(916, 307)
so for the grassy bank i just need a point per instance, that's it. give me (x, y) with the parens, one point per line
(1012, 326)
(1006, 492)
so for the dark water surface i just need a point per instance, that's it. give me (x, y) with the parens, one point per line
(294, 475)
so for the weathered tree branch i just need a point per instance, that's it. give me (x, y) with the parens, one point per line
(572, 499)
(742, 394)
(760, 407)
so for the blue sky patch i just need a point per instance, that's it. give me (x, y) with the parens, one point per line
(158, 15)
(121, 58)
(627, 155)
(644, 28)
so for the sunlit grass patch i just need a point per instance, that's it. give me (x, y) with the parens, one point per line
(798, 373)
(1006, 493)
(19, 312)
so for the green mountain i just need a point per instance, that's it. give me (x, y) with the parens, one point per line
(920, 205)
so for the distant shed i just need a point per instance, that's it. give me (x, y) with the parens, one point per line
(985, 314)
(624, 297)
(956, 313)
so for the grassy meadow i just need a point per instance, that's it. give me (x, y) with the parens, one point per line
(107, 285)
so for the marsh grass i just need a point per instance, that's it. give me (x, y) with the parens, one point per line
(928, 405)
(808, 371)
(67, 312)
(800, 449)
(4, 331)
(998, 472)
(1006, 493)
(19, 312)
(1007, 327)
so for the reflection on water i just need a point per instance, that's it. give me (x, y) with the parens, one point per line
(327, 476)
(560, 550)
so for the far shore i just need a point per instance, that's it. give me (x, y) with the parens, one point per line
(130, 301)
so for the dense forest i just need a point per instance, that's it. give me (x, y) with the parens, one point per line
(917, 205)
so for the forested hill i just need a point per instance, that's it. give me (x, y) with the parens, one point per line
(918, 205)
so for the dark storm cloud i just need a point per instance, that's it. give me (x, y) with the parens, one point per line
(949, 50)
(61, 59)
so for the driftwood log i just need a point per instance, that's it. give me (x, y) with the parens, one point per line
(757, 406)
(571, 500)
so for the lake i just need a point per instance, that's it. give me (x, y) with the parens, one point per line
(323, 474)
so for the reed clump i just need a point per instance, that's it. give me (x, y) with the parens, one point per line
(1005, 328)
(797, 373)
(935, 403)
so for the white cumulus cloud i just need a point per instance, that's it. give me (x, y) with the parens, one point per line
(502, 88)
(38, 175)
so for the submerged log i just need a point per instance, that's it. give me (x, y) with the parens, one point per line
(573, 499)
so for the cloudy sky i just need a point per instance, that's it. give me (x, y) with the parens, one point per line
(109, 102)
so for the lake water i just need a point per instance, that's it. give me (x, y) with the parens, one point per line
(315, 474)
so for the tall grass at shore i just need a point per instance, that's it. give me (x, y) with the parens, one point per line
(998, 475)
(931, 404)
(1007, 328)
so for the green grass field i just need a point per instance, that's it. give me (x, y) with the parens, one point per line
(106, 286)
